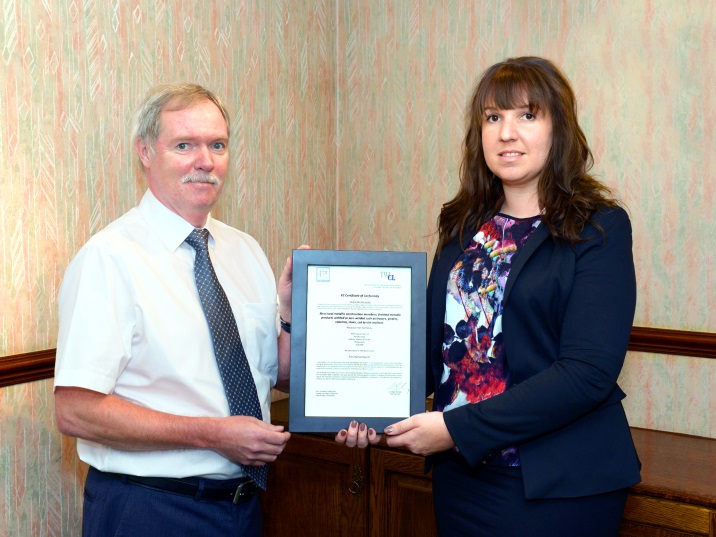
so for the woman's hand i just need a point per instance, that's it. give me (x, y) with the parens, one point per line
(422, 434)
(357, 435)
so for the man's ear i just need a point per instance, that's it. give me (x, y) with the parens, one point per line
(143, 150)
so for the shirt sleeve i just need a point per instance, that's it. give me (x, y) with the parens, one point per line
(96, 318)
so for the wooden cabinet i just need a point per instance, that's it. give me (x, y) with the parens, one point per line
(677, 495)
(319, 488)
(401, 495)
(654, 517)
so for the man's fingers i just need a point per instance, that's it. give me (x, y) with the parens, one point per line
(269, 426)
(274, 434)
(279, 439)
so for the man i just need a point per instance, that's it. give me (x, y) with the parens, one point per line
(140, 374)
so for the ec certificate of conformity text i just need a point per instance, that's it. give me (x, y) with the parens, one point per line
(358, 321)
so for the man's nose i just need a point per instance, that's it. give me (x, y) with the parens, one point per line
(204, 160)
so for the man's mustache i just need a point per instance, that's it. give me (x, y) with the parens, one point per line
(201, 178)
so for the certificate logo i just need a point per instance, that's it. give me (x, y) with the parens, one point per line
(384, 274)
(323, 274)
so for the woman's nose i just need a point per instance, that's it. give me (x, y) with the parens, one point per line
(507, 130)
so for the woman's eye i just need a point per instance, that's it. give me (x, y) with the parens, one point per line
(528, 116)
(492, 118)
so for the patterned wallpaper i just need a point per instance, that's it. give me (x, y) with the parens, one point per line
(347, 121)
(73, 74)
(644, 79)
(644, 76)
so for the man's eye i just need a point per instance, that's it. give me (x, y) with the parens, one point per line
(183, 146)
(219, 146)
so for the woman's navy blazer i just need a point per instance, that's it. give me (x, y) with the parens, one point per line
(567, 317)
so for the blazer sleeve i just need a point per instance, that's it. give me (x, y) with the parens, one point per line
(589, 345)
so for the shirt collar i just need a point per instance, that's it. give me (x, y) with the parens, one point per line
(171, 228)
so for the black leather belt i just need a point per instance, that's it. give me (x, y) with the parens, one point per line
(195, 487)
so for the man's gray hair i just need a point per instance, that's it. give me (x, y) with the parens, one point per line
(171, 97)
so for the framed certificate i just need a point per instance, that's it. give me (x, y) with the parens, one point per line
(357, 338)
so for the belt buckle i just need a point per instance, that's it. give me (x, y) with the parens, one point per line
(245, 491)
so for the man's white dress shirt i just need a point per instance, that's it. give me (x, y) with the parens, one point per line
(131, 324)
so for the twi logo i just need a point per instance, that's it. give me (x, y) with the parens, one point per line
(387, 275)
(323, 274)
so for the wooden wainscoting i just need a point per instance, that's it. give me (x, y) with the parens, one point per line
(19, 368)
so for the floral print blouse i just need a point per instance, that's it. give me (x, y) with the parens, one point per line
(474, 365)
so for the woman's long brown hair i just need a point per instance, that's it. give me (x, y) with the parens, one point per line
(567, 194)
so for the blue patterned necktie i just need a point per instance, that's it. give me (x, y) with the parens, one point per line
(230, 356)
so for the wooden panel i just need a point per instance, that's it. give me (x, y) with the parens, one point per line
(27, 367)
(673, 342)
(401, 495)
(686, 519)
(16, 369)
(309, 490)
(634, 529)
(676, 467)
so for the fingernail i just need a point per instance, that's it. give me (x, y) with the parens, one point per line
(343, 432)
(371, 431)
(362, 426)
(354, 423)
(389, 429)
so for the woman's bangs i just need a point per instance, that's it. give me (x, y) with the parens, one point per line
(509, 89)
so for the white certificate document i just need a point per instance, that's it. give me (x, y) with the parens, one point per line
(358, 322)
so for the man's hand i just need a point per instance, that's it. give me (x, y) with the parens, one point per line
(422, 434)
(285, 282)
(357, 435)
(250, 441)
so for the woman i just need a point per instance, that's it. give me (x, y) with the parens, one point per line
(531, 300)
